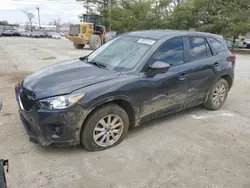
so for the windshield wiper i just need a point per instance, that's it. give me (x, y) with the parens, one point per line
(96, 63)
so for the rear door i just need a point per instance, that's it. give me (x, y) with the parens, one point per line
(200, 73)
(224, 59)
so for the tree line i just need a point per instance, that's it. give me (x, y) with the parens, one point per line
(4, 23)
(225, 17)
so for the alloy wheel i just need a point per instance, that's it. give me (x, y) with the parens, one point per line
(108, 130)
(219, 94)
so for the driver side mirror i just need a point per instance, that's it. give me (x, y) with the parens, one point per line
(159, 67)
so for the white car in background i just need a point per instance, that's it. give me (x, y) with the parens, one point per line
(242, 45)
(56, 36)
(246, 43)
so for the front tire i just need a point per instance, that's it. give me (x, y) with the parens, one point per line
(217, 96)
(78, 46)
(105, 128)
(95, 42)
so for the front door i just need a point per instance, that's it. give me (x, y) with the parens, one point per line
(166, 92)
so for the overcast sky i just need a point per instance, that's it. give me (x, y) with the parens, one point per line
(66, 10)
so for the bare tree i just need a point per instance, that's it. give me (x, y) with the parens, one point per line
(55, 22)
(30, 17)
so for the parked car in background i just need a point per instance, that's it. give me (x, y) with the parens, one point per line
(56, 36)
(32, 34)
(1, 33)
(42, 34)
(22, 33)
(62, 34)
(37, 34)
(49, 34)
(7, 33)
(26, 33)
(46, 33)
(246, 42)
(131, 79)
(238, 44)
(242, 44)
(16, 33)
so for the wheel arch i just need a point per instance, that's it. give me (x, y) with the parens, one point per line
(229, 80)
(227, 77)
(123, 101)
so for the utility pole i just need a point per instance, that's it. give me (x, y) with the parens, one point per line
(38, 11)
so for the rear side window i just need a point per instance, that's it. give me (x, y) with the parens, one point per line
(198, 48)
(215, 44)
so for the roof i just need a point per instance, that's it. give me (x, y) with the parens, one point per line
(158, 34)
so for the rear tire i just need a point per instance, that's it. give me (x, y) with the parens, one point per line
(217, 96)
(95, 42)
(95, 136)
(78, 46)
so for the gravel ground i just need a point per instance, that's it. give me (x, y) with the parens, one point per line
(194, 148)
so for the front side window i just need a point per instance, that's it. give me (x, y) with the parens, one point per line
(172, 52)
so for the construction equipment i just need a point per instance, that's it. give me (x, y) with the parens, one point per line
(90, 31)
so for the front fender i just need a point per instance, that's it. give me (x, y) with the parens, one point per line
(110, 99)
(99, 102)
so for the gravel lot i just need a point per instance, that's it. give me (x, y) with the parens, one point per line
(194, 148)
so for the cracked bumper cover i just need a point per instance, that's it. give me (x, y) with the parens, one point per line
(48, 127)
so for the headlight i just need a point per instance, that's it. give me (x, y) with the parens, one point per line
(60, 102)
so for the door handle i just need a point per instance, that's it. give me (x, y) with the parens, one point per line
(216, 64)
(182, 76)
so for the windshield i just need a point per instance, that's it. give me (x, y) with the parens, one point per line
(122, 53)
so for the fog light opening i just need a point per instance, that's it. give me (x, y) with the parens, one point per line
(57, 131)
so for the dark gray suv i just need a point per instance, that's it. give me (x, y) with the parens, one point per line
(138, 76)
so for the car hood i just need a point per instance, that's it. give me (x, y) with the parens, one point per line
(65, 77)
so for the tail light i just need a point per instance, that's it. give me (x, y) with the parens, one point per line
(232, 57)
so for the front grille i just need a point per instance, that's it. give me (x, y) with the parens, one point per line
(27, 102)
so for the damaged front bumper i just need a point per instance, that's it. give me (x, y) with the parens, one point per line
(47, 127)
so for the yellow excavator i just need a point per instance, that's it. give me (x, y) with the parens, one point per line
(90, 32)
